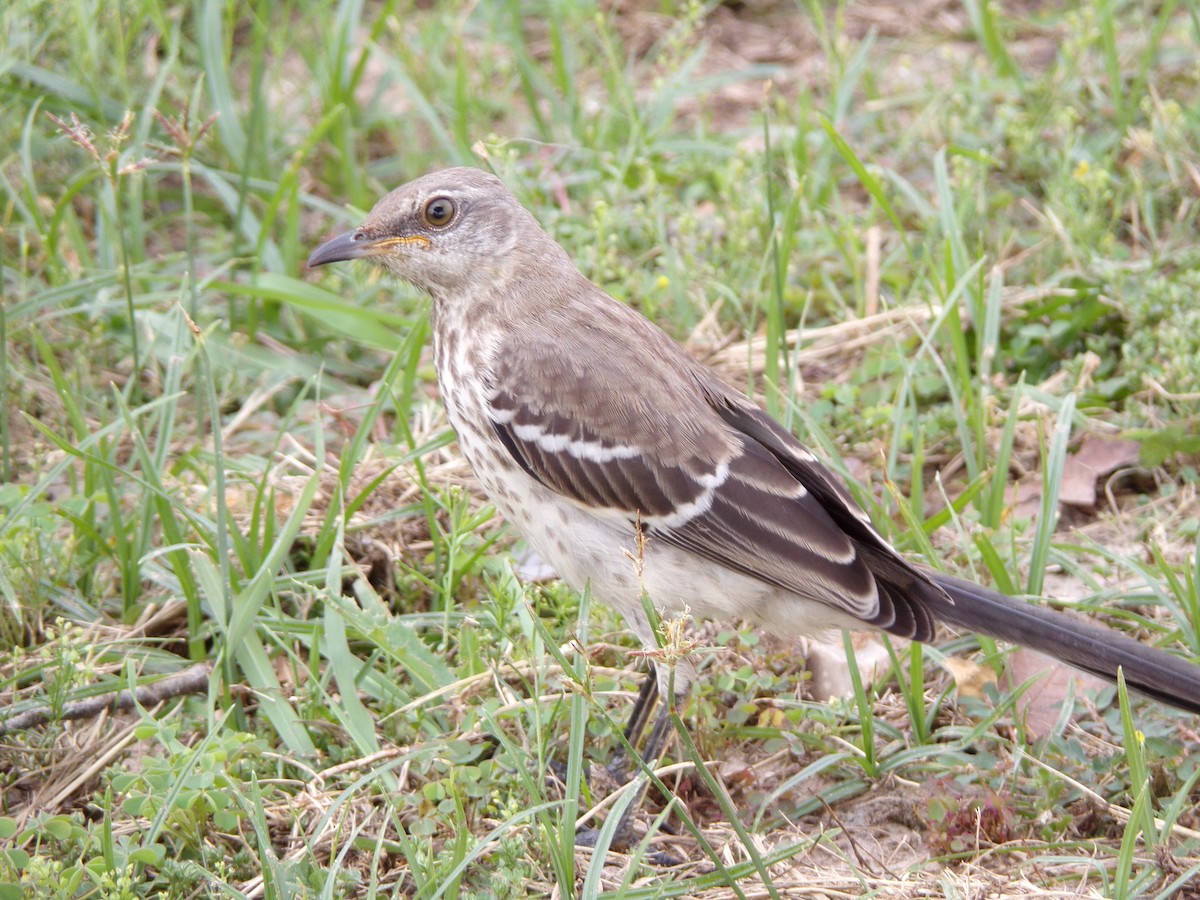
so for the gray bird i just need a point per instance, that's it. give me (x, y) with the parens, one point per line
(589, 427)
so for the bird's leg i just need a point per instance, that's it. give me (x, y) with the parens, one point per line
(657, 742)
(660, 736)
(670, 675)
(639, 716)
(619, 768)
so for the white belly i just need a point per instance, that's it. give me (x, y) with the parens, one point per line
(596, 550)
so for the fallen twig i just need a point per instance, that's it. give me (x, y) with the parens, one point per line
(192, 680)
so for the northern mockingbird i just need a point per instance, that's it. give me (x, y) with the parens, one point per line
(630, 466)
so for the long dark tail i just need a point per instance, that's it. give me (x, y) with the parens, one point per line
(1090, 647)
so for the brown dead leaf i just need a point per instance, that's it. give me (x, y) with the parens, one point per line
(970, 677)
(737, 771)
(1041, 704)
(1025, 497)
(1096, 458)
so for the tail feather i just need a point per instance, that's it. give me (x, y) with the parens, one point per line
(1092, 648)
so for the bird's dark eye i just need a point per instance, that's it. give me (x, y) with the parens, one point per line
(439, 211)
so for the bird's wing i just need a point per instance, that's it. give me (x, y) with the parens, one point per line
(658, 438)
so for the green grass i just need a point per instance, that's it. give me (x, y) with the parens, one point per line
(208, 455)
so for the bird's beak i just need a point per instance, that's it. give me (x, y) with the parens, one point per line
(358, 245)
(351, 245)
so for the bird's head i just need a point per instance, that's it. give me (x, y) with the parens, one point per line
(441, 232)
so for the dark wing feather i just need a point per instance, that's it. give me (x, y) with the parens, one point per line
(904, 590)
(702, 469)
